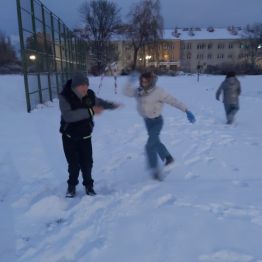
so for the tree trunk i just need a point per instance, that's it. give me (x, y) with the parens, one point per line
(135, 58)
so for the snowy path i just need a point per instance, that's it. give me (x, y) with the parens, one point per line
(207, 209)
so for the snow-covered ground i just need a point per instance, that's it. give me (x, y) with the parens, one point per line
(209, 208)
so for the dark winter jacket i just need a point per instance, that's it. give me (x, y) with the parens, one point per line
(231, 90)
(77, 114)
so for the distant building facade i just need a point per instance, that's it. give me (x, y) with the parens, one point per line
(203, 48)
(191, 49)
(186, 49)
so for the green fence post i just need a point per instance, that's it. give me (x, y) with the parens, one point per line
(54, 51)
(46, 53)
(23, 55)
(66, 49)
(37, 58)
(61, 53)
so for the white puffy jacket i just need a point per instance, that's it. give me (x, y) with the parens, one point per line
(150, 103)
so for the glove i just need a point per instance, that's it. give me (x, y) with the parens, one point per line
(191, 118)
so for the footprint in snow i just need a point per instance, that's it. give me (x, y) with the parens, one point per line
(227, 256)
(240, 183)
(190, 176)
(167, 199)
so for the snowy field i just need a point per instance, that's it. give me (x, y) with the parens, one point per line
(208, 209)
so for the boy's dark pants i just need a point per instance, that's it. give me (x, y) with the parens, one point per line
(78, 154)
(231, 110)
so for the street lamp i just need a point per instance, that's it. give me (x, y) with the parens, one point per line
(259, 46)
(32, 57)
(148, 57)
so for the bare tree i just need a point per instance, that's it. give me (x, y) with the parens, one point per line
(7, 51)
(253, 48)
(145, 26)
(102, 20)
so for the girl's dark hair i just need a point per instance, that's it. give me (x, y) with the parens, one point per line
(146, 75)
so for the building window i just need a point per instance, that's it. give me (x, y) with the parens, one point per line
(220, 46)
(188, 56)
(188, 46)
(230, 56)
(209, 46)
(241, 56)
(209, 56)
(220, 56)
(243, 46)
(201, 46)
(230, 46)
(200, 56)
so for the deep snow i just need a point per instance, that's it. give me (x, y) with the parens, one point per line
(207, 209)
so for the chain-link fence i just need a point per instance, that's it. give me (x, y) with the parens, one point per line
(50, 52)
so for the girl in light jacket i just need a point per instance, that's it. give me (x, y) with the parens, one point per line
(150, 100)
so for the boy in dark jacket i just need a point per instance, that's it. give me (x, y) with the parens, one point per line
(78, 104)
(231, 90)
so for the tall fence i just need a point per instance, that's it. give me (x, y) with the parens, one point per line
(50, 52)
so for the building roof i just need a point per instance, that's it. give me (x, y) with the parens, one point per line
(208, 33)
(203, 33)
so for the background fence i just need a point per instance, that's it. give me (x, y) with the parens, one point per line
(50, 52)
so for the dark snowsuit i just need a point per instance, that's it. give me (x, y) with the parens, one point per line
(76, 128)
(231, 90)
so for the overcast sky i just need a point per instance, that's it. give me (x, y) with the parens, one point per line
(218, 13)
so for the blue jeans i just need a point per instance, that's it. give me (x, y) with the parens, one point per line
(154, 146)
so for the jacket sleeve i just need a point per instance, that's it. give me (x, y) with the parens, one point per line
(171, 100)
(239, 88)
(105, 104)
(219, 90)
(70, 115)
(129, 90)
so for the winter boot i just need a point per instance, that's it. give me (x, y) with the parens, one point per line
(71, 191)
(156, 174)
(90, 191)
(169, 160)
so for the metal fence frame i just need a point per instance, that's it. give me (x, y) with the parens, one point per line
(50, 52)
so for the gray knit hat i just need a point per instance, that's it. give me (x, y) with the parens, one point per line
(79, 79)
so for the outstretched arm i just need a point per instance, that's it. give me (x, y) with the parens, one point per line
(129, 90)
(107, 105)
(167, 98)
(102, 105)
(171, 100)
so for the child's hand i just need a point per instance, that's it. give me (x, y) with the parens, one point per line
(98, 110)
(118, 105)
